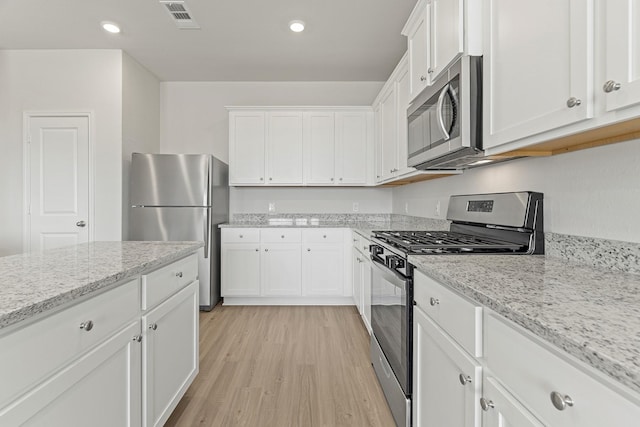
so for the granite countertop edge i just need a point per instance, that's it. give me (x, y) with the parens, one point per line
(36, 308)
(626, 372)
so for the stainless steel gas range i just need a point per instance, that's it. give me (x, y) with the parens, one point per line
(498, 223)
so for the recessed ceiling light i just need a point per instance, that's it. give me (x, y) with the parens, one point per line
(110, 27)
(296, 26)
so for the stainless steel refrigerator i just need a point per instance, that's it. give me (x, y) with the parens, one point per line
(179, 197)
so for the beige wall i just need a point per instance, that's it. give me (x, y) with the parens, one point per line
(194, 120)
(140, 121)
(61, 81)
(594, 192)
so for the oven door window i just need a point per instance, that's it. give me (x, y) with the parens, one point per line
(389, 319)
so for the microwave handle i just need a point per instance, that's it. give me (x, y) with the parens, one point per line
(440, 115)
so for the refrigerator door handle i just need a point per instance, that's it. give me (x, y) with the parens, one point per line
(207, 232)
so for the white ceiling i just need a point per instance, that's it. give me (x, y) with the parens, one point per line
(241, 40)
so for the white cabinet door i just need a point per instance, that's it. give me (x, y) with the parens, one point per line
(101, 389)
(357, 280)
(622, 54)
(377, 123)
(319, 147)
(366, 292)
(537, 65)
(402, 88)
(447, 35)
(389, 133)
(418, 39)
(323, 269)
(352, 141)
(503, 410)
(447, 382)
(247, 130)
(170, 354)
(284, 147)
(240, 269)
(281, 266)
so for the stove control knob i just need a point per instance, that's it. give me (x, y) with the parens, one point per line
(376, 250)
(394, 262)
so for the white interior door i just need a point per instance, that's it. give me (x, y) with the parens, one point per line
(57, 181)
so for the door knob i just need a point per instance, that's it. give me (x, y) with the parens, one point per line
(81, 224)
(610, 86)
(573, 102)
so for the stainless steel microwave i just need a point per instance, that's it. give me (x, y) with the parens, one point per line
(445, 120)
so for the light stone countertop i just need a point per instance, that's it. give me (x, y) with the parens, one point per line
(591, 313)
(31, 284)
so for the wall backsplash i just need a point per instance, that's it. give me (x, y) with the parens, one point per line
(592, 193)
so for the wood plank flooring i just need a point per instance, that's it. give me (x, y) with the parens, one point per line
(283, 366)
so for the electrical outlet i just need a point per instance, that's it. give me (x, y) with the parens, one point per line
(406, 207)
(438, 208)
(356, 207)
(272, 207)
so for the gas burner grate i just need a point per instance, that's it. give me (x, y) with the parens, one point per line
(444, 242)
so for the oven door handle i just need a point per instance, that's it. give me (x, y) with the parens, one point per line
(393, 277)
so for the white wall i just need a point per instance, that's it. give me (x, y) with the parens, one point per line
(140, 121)
(594, 192)
(61, 81)
(194, 120)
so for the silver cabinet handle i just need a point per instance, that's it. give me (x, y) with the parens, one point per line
(365, 247)
(153, 326)
(261, 178)
(324, 236)
(270, 179)
(308, 249)
(81, 224)
(355, 240)
(486, 404)
(87, 326)
(179, 274)
(573, 102)
(560, 401)
(434, 301)
(137, 338)
(282, 237)
(257, 249)
(464, 379)
(241, 236)
(610, 86)
(422, 78)
(331, 179)
(340, 179)
(266, 250)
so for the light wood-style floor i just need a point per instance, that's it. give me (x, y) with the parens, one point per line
(283, 366)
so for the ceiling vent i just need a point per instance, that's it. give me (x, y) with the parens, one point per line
(181, 14)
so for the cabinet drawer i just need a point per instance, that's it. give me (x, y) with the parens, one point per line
(30, 354)
(166, 281)
(323, 235)
(281, 235)
(532, 372)
(459, 317)
(240, 235)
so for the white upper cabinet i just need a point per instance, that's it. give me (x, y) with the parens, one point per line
(388, 133)
(352, 141)
(621, 83)
(438, 32)
(538, 62)
(319, 147)
(284, 147)
(247, 136)
(297, 146)
(417, 32)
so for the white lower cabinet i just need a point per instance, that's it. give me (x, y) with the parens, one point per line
(101, 388)
(284, 266)
(446, 380)
(281, 269)
(170, 353)
(361, 277)
(501, 409)
(103, 361)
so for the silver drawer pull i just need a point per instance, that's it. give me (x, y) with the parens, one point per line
(560, 401)
(434, 301)
(282, 237)
(137, 338)
(486, 404)
(241, 236)
(87, 326)
(573, 102)
(153, 326)
(179, 274)
(610, 86)
(464, 379)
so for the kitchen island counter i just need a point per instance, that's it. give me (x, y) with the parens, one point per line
(591, 313)
(31, 284)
